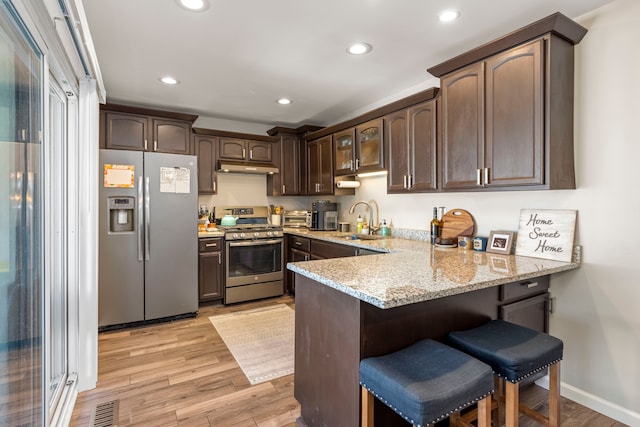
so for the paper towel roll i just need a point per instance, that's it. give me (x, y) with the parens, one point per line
(348, 184)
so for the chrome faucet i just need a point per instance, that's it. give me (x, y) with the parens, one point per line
(373, 227)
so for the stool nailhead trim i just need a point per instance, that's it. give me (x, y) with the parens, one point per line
(440, 418)
(517, 380)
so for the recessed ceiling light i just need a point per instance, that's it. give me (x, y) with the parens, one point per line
(359, 48)
(449, 15)
(284, 101)
(169, 80)
(194, 5)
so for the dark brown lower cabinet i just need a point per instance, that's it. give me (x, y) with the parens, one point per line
(210, 269)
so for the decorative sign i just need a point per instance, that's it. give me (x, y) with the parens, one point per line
(119, 176)
(546, 234)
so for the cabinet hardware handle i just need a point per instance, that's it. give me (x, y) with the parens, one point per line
(244, 153)
(404, 181)
(410, 182)
(214, 186)
(529, 285)
(145, 145)
(298, 244)
(250, 154)
(306, 257)
(23, 135)
(219, 258)
(357, 164)
(486, 176)
(208, 245)
(284, 189)
(478, 177)
(155, 145)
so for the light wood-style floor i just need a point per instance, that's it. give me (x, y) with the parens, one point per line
(181, 373)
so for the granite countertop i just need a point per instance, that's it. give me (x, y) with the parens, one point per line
(211, 233)
(414, 271)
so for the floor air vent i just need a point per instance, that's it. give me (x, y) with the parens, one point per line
(105, 415)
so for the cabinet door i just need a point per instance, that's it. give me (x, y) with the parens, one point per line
(344, 146)
(370, 151)
(514, 115)
(320, 166)
(260, 151)
(462, 130)
(232, 149)
(531, 312)
(210, 276)
(397, 146)
(126, 131)
(294, 255)
(206, 149)
(290, 167)
(326, 166)
(170, 136)
(422, 147)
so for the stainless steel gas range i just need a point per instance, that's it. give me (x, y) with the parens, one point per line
(254, 264)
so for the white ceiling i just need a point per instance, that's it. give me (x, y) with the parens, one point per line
(237, 57)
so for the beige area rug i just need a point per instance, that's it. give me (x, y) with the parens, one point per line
(261, 340)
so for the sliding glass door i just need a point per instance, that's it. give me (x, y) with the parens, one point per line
(21, 224)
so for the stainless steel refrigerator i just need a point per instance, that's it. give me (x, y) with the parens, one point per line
(148, 250)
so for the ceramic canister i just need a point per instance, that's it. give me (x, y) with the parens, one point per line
(479, 244)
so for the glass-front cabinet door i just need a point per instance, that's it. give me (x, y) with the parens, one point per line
(344, 144)
(370, 153)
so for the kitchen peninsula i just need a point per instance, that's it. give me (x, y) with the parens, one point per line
(356, 307)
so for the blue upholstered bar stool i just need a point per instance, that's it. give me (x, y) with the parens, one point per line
(515, 352)
(425, 383)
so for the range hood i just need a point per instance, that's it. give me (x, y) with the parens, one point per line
(231, 166)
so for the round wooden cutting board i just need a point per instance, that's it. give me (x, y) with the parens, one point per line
(457, 222)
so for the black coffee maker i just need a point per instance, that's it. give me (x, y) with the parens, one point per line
(324, 215)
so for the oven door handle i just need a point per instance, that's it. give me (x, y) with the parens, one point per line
(255, 242)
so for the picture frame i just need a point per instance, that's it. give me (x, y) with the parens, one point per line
(500, 242)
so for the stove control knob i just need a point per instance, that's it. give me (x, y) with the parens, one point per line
(256, 234)
(235, 235)
(242, 235)
(270, 233)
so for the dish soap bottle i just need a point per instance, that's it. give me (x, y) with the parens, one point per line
(359, 225)
(365, 227)
(384, 228)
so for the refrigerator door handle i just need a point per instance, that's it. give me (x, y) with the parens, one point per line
(140, 214)
(147, 207)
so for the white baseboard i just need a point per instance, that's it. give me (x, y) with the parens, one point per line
(595, 403)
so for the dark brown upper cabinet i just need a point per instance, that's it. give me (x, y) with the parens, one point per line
(506, 111)
(320, 167)
(287, 156)
(410, 143)
(370, 146)
(206, 148)
(246, 150)
(344, 152)
(141, 129)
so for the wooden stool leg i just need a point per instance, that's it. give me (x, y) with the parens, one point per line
(367, 408)
(499, 397)
(484, 412)
(512, 399)
(554, 395)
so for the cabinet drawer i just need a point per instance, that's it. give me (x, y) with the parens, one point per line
(209, 245)
(325, 250)
(300, 243)
(524, 288)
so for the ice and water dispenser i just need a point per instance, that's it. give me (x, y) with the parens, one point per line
(121, 217)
